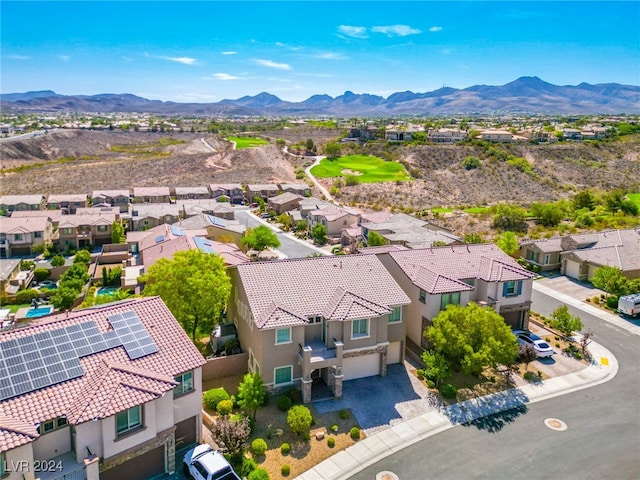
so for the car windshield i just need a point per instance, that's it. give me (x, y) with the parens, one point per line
(543, 345)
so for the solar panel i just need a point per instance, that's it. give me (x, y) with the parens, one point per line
(131, 331)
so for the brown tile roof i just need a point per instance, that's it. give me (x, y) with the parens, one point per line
(111, 381)
(14, 433)
(310, 286)
(345, 305)
(442, 269)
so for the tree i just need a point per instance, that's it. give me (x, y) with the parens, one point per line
(547, 214)
(117, 232)
(302, 225)
(585, 341)
(259, 238)
(319, 234)
(527, 354)
(473, 238)
(64, 297)
(231, 435)
(564, 322)
(281, 142)
(437, 367)
(299, 419)
(310, 146)
(470, 162)
(41, 274)
(375, 239)
(194, 286)
(114, 296)
(613, 200)
(77, 271)
(628, 207)
(82, 256)
(286, 221)
(473, 337)
(333, 150)
(251, 393)
(584, 199)
(509, 217)
(610, 279)
(508, 243)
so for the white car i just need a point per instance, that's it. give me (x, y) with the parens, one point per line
(541, 347)
(205, 463)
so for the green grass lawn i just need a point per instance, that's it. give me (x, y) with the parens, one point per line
(635, 198)
(477, 210)
(371, 169)
(442, 210)
(247, 142)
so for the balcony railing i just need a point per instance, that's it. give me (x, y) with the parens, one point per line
(62, 467)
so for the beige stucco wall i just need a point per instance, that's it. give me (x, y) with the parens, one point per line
(527, 285)
(89, 435)
(15, 465)
(188, 405)
(52, 444)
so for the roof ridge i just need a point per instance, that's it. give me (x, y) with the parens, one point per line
(143, 372)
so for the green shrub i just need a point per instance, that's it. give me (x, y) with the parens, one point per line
(285, 470)
(25, 296)
(471, 162)
(343, 414)
(225, 407)
(294, 394)
(248, 466)
(41, 274)
(335, 428)
(285, 448)
(299, 419)
(431, 384)
(214, 396)
(530, 376)
(259, 446)
(331, 442)
(284, 403)
(259, 474)
(448, 391)
(27, 265)
(612, 301)
(57, 261)
(355, 433)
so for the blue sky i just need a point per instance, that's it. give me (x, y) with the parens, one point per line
(207, 51)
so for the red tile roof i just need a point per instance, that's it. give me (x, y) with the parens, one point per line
(111, 381)
(14, 433)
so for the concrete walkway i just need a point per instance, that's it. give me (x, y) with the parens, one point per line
(366, 452)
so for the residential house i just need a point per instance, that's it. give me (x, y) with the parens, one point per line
(108, 393)
(579, 256)
(284, 202)
(571, 134)
(446, 135)
(401, 133)
(298, 188)
(189, 208)
(263, 190)
(80, 231)
(151, 195)
(19, 236)
(335, 219)
(496, 136)
(403, 229)
(114, 198)
(310, 204)
(458, 274)
(68, 203)
(54, 216)
(192, 193)
(145, 216)
(318, 319)
(363, 134)
(233, 191)
(12, 203)
(218, 229)
(9, 270)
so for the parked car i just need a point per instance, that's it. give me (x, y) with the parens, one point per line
(541, 347)
(629, 305)
(253, 205)
(205, 463)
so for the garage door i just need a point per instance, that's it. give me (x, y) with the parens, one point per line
(358, 367)
(573, 269)
(394, 353)
(147, 465)
(186, 433)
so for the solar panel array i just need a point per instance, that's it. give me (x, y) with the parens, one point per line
(48, 358)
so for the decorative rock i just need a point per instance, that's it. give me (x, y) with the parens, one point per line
(320, 435)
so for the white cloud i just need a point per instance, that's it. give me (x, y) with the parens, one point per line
(224, 76)
(18, 57)
(229, 52)
(64, 58)
(190, 97)
(395, 30)
(330, 56)
(435, 28)
(352, 31)
(272, 64)
(183, 60)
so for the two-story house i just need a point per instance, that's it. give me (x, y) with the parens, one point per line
(106, 392)
(333, 218)
(458, 274)
(263, 190)
(82, 230)
(151, 195)
(284, 202)
(12, 203)
(143, 217)
(18, 236)
(192, 193)
(322, 319)
(114, 198)
(233, 191)
(298, 188)
(68, 203)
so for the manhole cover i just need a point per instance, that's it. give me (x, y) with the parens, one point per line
(555, 424)
(386, 476)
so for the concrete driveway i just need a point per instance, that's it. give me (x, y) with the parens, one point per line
(568, 286)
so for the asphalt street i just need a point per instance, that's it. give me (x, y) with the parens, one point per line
(602, 439)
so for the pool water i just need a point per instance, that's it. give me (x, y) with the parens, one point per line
(106, 291)
(39, 312)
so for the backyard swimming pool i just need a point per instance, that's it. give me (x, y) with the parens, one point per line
(106, 291)
(39, 312)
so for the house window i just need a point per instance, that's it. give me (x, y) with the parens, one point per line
(470, 281)
(51, 425)
(128, 420)
(145, 222)
(67, 231)
(37, 234)
(282, 375)
(3, 470)
(423, 296)
(17, 237)
(102, 228)
(360, 328)
(449, 299)
(283, 335)
(547, 257)
(185, 384)
(533, 256)
(395, 316)
(512, 288)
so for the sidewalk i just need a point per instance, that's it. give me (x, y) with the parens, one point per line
(366, 452)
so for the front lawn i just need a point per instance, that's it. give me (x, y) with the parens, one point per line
(365, 168)
(635, 198)
(247, 142)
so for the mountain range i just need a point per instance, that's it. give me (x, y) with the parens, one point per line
(524, 95)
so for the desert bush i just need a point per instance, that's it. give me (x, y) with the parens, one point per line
(259, 446)
(355, 433)
(285, 470)
(285, 448)
(284, 403)
(448, 391)
(214, 396)
(331, 442)
(259, 474)
(225, 407)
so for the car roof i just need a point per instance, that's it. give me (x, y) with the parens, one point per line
(214, 462)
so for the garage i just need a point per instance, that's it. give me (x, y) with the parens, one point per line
(394, 353)
(362, 366)
(186, 433)
(146, 465)
(572, 269)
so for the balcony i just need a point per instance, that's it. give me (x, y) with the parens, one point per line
(315, 355)
(62, 467)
